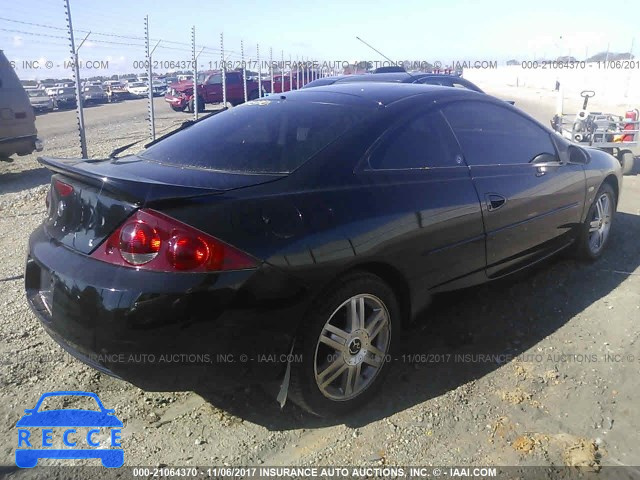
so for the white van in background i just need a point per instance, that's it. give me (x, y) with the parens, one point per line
(18, 132)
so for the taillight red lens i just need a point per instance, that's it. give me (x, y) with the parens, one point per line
(63, 189)
(150, 240)
(187, 252)
(139, 243)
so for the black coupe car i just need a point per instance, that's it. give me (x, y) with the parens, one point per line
(302, 232)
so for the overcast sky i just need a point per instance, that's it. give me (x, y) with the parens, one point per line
(456, 30)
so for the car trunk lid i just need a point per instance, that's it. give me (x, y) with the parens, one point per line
(89, 199)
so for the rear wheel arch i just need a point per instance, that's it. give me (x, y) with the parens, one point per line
(389, 275)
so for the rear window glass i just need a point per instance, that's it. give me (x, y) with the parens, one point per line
(263, 136)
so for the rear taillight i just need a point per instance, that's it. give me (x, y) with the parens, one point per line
(63, 189)
(139, 243)
(150, 240)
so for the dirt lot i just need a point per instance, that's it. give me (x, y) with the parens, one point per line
(539, 370)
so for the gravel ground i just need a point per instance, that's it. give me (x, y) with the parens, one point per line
(511, 373)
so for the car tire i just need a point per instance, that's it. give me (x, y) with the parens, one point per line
(627, 161)
(596, 229)
(344, 359)
(201, 107)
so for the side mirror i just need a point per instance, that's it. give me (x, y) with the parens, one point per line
(578, 155)
(545, 158)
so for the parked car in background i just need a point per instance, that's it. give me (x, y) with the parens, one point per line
(318, 222)
(40, 101)
(65, 97)
(138, 89)
(158, 88)
(180, 95)
(30, 84)
(93, 95)
(18, 134)
(116, 92)
(66, 83)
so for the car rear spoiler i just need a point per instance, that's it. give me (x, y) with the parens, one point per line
(108, 174)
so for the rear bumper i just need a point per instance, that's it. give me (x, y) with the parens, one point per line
(23, 145)
(44, 107)
(163, 331)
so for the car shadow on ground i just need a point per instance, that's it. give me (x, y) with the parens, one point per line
(12, 182)
(499, 321)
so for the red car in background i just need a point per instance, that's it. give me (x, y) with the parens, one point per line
(180, 95)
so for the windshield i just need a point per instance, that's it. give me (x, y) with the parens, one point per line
(36, 93)
(259, 137)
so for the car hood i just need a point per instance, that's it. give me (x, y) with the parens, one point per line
(69, 418)
(183, 86)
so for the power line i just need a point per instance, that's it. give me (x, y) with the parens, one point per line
(32, 33)
(108, 42)
(114, 35)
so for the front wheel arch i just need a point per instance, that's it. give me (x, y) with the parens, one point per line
(613, 181)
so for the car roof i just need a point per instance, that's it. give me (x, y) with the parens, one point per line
(378, 93)
(376, 77)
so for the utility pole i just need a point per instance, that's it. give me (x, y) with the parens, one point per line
(224, 72)
(259, 71)
(282, 72)
(271, 67)
(76, 72)
(149, 51)
(244, 70)
(195, 73)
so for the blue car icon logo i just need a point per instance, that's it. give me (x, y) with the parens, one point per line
(68, 425)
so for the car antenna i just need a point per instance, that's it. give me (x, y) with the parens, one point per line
(381, 54)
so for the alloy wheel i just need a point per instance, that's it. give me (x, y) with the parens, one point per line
(600, 223)
(352, 347)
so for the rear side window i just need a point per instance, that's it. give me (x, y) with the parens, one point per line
(490, 134)
(263, 136)
(423, 142)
